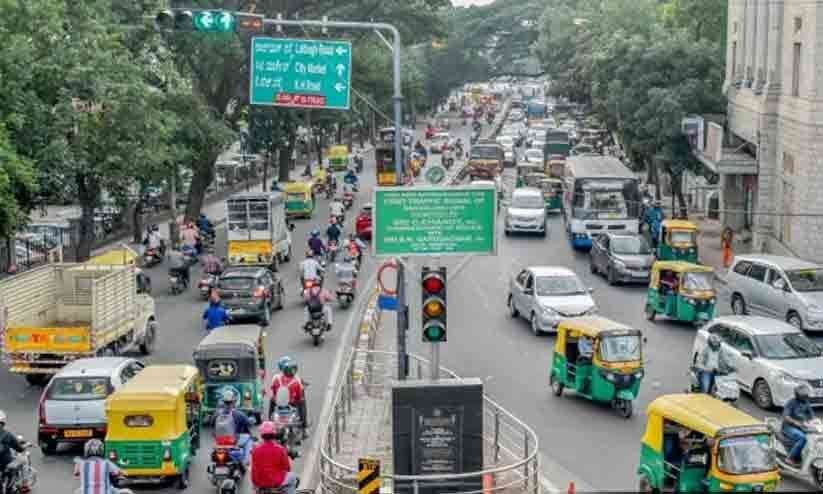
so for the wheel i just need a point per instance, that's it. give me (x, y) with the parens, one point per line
(592, 267)
(316, 340)
(650, 312)
(624, 407)
(147, 345)
(557, 386)
(794, 319)
(535, 326)
(738, 305)
(610, 276)
(512, 310)
(544, 232)
(507, 232)
(182, 481)
(287, 257)
(281, 298)
(265, 319)
(762, 395)
(48, 448)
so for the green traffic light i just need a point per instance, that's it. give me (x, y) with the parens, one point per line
(214, 21)
(434, 334)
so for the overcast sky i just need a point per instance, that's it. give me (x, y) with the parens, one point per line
(466, 3)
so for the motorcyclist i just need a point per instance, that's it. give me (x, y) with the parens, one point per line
(270, 465)
(190, 236)
(204, 225)
(337, 209)
(310, 269)
(331, 181)
(316, 245)
(232, 425)
(212, 264)
(350, 178)
(796, 413)
(215, 314)
(358, 161)
(153, 240)
(355, 247)
(710, 361)
(297, 392)
(318, 299)
(94, 470)
(333, 232)
(178, 266)
(8, 443)
(345, 271)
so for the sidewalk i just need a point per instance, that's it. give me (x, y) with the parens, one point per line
(710, 251)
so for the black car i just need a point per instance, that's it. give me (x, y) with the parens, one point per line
(251, 293)
(621, 257)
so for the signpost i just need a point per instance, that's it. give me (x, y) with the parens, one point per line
(368, 476)
(300, 73)
(434, 221)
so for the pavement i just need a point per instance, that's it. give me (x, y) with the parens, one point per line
(180, 329)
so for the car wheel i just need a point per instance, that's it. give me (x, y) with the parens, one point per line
(794, 319)
(762, 395)
(48, 448)
(512, 309)
(265, 319)
(592, 265)
(281, 298)
(650, 312)
(287, 257)
(147, 345)
(535, 327)
(612, 279)
(738, 305)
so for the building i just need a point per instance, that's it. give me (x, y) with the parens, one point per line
(769, 154)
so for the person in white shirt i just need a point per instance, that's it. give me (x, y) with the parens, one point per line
(310, 269)
(337, 209)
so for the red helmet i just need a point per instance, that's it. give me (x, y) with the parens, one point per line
(267, 429)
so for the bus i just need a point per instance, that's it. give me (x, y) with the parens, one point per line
(535, 112)
(384, 157)
(600, 195)
(558, 142)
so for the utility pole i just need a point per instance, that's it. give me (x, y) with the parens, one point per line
(173, 233)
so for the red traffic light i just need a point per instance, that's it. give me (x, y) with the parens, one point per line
(433, 284)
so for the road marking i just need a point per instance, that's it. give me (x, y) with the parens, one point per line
(310, 459)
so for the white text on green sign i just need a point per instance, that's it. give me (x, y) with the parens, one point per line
(300, 73)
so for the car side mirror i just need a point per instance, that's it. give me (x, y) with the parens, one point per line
(591, 290)
(747, 354)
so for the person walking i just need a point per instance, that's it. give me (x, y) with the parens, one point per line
(726, 241)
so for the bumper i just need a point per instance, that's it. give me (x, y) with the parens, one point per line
(58, 434)
(519, 226)
(812, 323)
(633, 275)
(244, 311)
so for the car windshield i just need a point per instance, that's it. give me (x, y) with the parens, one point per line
(528, 202)
(806, 280)
(552, 286)
(484, 152)
(697, 281)
(682, 237)
(624, 348)
(235, 283)
(295, 196)
(79, 388)
(630, 246)
(787, 346)
(746, 455)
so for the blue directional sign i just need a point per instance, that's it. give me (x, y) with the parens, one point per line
(300, 73)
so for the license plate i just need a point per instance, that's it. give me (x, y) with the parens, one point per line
(315, 331)
(221, 470)
(77, 433)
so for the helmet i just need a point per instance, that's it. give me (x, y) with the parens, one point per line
(290, 369)
(284, 362)
(309, 253)
(155, 227)
(2, 417)
(93, 447)
(802, 392)
(229, 397)
(714, 341)
(267, 429)
(315, 233)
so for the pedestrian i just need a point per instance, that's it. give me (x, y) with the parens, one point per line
(726, 244)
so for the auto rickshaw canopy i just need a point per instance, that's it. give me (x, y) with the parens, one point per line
(680, 267)
(297, 188)
(701, 413)
(232, 352)
(591, 326)
(679, 225)
(338, 152)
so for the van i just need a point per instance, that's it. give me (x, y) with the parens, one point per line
(784, 288)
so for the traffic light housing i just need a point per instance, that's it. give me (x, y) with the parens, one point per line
(209, 21)
(433, 286)
(177, 19)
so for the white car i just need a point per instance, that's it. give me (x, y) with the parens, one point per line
(526, 212)
(533, 156)
(546, 294)
(771, 357)
(508, 142)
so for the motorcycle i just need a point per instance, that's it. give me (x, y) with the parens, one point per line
(189, 255)
(348, 200)
(226, 468)
(152, 257)
(177, 284)
(811, 467)
(725, 386)
(19, 477)
(316, 326)
(331, 251)
(206, 283)
(345, 293)
(286, 419)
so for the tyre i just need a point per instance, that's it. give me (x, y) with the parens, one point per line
(762, 395)
(610, 277)
(624, 408)
(147, 345)
(512, 310)
(650, 312)
(644, 486)
(738, 305)
(316, 340)
(592, 267)
(265, 319)
(534, 324)
(556, 385)
(48, 448)
(794, 319)
(281, 298)
(287, 257)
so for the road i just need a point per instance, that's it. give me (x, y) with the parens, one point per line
(580, 441)
(181, 329)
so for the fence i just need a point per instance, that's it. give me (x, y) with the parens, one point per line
(360, 426)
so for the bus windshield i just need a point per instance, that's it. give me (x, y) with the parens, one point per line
(605, 199)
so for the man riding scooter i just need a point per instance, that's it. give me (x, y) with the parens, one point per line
(796, 414)
(288, 379)
(270, 465)
(350, 178)
(318, 300)
(316, 245)
(710, 361)
(310, 271)
(337, 210)
(333, 233)
(233, 427)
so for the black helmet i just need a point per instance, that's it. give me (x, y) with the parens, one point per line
(802, 392)
(714, 341)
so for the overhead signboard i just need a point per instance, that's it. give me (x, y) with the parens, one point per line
(302, 73)
(434, 221)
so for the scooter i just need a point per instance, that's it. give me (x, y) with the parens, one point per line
(206, 283)
(348, 200)
(725, 388)
(226, 468)
(152, 257)
(287, 423)
(811, 468)
(316, 326)
(345, 293)
(177, 284)
(19, 477)
(331, 251)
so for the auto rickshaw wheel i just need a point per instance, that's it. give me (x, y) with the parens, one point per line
(644, 486)
(182, 481)
(624, 408)
(650, 312)
(557, 386)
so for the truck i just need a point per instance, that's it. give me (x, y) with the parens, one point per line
(485, 160)
(535, 112)
(58, 313)
(558, 142)
(258, 234)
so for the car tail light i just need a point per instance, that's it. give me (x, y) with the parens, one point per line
(220, 456)
(41, 407)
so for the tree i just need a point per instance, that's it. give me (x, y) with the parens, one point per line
(17, 188)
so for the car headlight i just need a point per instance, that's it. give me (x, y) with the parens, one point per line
(816, 309)
(787, 380)
(547, 312)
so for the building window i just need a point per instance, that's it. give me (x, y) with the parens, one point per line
(796, 70)
(734, 58)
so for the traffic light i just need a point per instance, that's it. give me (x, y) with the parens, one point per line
(433, 284)
(210, 21)
(177, 19)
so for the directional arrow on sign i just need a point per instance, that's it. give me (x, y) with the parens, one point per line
(339, 87)
(341, 50)
(340, 69)
(207, 20)
(226, 20)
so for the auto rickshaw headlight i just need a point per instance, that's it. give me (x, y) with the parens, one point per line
(639, 374)
(726, 486)
(167, 454)
(690, 301)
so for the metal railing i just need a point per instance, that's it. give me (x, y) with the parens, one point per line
(360, 426)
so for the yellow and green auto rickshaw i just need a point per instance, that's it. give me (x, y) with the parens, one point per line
(319, 179)
(338, 158)
(552, 193)
(233, 359)
(154, 424)
(613, 372)
(677, 241)
(299, 199)
(682, 291)
(524, 170)
(697, 443)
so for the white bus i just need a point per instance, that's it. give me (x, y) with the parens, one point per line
(600, 195)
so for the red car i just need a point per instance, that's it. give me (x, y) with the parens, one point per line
(363, 223)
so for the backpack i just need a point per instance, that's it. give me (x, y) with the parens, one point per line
(224, 425)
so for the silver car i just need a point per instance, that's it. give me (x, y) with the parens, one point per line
(73, 405)
(785, 288)
(545, 295)
(770, 357)
(621, 257)
(526, 212)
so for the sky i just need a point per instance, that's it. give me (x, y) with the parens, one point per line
(466, 3)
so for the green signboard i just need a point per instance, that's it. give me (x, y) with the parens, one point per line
(302, 73)
(434, 221)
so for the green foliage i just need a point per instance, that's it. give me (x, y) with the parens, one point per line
(17, 187)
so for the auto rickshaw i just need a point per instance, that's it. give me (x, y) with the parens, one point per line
(338, 158)
(154, 424)
(696, 443)
(552, 193)
(524, 170)
(682, 291)
(233, 359)
(533, 179)
(677, 241)
(614, 371)
(557, 166)
(299, 199)
(319, 179)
